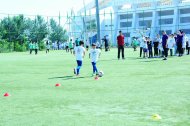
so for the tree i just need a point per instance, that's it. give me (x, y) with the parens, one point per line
(57, 33)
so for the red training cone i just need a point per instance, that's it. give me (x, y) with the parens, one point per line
(57, 85)
(96, 78)
(6, 95)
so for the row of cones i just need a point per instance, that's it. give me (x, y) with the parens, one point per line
(7, 94)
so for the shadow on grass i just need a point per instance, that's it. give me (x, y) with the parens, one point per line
(70, 77)
(108, 60)
(149, 61)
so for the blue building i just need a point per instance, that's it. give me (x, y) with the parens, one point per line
(135, 17)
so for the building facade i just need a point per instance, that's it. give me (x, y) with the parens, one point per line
(148, 17)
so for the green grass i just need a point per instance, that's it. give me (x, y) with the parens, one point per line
(130, 92)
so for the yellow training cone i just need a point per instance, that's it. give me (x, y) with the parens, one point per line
(156, 117)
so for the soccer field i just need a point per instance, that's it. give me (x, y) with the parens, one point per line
(128, 94)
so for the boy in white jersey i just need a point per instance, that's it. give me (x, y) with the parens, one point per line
(94, 55)
(79, 52)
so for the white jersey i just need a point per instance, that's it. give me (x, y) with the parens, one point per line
(171, 43)
(94, 54)
(189, 42)
(141, 41)
(79, 52)
(185, 39)
(145, 46)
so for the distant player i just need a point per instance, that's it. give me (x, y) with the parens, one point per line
(31, 47)
(71, 46)
(67, 46)
(94, 55)
(79, 52)
(47, 47)
(87, 45)
(36, 48)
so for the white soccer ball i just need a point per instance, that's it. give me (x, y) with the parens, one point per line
(101, 73)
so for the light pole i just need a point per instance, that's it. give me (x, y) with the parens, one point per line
(98, 22)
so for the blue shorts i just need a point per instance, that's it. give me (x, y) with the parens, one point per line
(145, 50)
(79, 62)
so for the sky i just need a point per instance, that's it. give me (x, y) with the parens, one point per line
(40, 7)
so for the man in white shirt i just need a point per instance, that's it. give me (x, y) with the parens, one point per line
(94, 55)
(79, 52)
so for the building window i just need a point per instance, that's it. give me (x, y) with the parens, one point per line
(187, 31)
(125, 24)
(185, 11)
(145, 14)
(146, 23)
(185, 20)
(165, 21)
(126, 16)
(126, 34)
(165, 13)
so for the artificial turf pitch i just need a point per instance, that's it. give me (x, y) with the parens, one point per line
(128, 94)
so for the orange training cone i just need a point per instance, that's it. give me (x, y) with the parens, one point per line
(96, 78)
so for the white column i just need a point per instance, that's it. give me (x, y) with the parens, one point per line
(116, 23)
(154, 20)
(134, 20)
(176, 18)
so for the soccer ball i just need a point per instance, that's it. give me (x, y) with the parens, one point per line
(101, 73)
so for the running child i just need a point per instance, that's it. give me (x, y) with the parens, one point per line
(79, 52)
(94, 55)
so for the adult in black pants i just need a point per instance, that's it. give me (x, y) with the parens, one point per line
(120, 44)
(180, 42)
(149, 43)
(156, 43)
(106, 43)
(165, 45)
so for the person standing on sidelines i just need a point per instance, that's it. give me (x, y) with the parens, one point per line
(165, 44)
(71, 46)
(77, 42)
(87, 45)
(94, 55)
(47, 47)
(188, 49)
(149, 43)
(171, 43)
(156, 44)
(67, 46)
(141, 41)
(120, 44)
(31, 47)
(180, 42)
(79, 52)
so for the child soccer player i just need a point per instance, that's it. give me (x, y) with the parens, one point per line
(94, 55)
(79, 52)
(145, 49)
